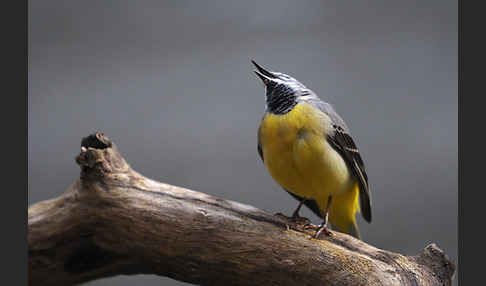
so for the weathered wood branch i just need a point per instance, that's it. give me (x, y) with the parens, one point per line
(112, 220)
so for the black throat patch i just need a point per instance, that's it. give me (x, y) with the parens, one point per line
(280, 99)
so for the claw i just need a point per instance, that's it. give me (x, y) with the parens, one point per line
(311, 226)
(322, 229)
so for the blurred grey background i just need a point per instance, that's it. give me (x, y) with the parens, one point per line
(171, 83)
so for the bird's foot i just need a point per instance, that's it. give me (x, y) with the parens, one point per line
(324, 230)
(300, 220)
(319, 229)
(296, 220)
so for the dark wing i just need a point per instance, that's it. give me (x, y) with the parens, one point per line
(259, 146)
(342, 142)
(311, 204)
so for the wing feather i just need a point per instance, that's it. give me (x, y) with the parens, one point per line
(344, 145)
(341, 140)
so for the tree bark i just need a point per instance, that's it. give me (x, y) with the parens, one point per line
(112, 220)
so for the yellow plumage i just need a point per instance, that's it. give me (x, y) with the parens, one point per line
(308, 149)
(300, 159)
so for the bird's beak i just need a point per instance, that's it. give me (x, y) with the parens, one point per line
(263, 74)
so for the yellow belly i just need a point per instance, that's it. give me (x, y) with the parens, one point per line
(298, 156)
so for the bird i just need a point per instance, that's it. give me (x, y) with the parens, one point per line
(308, 150)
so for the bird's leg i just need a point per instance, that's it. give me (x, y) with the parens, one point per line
(323, 226)
(296, 215)
(296, 220)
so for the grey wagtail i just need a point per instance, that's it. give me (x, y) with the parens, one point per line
(308, 150)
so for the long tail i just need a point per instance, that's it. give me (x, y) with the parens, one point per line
(342, 214)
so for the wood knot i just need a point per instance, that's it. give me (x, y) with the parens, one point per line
(99, 157)
(436, 260)
(97, 140)
(89, 157)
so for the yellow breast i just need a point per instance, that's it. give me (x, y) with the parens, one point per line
(298, 156)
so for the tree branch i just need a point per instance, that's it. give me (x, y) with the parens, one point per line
(112, 220)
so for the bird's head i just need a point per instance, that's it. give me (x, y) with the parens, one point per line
(282, 91)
